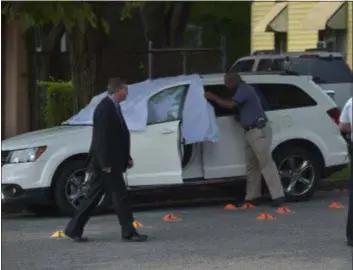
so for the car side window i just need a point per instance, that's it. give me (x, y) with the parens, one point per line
(268, 64)
(222, 92)
(264, 65)
(282, 96)
(332, 70)
(167, 105)
(324, 70)
(243, 66)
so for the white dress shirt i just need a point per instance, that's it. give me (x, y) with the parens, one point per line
(346, 115)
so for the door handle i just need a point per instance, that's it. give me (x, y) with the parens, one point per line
(167, 131)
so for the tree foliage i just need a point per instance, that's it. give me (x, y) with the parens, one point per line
(230, 19)
(164, 22)
(70, 14)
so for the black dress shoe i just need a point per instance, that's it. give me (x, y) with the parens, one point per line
(279, 202)
(76, 238)
(350, 242)
(255, 202)
(135, 237)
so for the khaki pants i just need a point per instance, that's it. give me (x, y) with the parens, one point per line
(259, 161)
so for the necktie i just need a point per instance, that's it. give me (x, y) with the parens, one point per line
(120, 115)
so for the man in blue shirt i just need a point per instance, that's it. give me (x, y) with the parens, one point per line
(258, 138)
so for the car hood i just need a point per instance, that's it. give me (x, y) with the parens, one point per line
(40, 137)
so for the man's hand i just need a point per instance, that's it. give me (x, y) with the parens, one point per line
(211, 96)
(130, 164)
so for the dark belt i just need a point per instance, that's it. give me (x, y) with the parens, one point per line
(259, 123)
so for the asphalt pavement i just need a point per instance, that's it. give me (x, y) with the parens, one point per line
(311, 236)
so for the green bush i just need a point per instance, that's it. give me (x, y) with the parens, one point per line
(56, 103)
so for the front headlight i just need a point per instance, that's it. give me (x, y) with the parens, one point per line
(26, 155)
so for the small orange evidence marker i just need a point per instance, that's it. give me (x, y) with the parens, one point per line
(265, 216)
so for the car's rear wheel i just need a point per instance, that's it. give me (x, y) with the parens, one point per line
(299, 170)
(70, 189)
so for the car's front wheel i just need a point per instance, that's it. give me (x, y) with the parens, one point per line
(299, 170)
(70, 188)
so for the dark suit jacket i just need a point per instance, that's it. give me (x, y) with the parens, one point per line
(110, 146)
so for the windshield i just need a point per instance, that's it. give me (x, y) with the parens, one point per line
(323, 69)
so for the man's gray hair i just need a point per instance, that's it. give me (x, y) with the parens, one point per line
(115, 84)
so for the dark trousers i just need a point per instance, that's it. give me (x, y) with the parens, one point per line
(349, 230)
(111, 184)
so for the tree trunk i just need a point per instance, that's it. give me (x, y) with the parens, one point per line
(50, 39)
(164, 23)
(86, 60)
(178, 23)
(153, 20)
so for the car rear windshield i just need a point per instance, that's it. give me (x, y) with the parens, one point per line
(325, 70)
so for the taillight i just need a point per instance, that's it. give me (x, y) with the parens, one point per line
(334, 113)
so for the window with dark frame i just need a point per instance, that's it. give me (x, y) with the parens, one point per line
(243, 66)
(222, 92)
(325, 70)
(280, 42)
(282, 96)
(272, 97)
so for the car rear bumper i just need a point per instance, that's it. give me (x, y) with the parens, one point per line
(13, 194)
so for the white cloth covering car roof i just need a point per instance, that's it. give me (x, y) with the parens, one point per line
(199, 120)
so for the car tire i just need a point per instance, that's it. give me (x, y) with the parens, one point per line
(60, 198)
(313, 173)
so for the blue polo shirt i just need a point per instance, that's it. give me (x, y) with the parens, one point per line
(248, 104)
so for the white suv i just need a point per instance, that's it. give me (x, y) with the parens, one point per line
(46, 168)
(328, 69)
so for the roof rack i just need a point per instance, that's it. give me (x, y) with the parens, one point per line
(296, 53)
(270, 72)
(316, 50)
(265, 52)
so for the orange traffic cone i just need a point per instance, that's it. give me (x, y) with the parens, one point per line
(247, 206)
(170, 217)
(336, 205)
(283, 210)
(137, 224)
(230, 206)
(265, 216)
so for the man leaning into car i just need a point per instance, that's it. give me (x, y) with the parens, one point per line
(258, 137)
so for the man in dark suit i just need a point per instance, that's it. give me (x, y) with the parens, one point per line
(109, 159)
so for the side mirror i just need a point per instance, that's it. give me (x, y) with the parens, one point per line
(330, 93)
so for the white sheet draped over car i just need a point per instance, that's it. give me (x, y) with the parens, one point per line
(199, 120)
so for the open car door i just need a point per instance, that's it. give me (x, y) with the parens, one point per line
(155, 151)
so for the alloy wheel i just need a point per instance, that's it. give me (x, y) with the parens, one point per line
(76, 188)
(297, 174)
